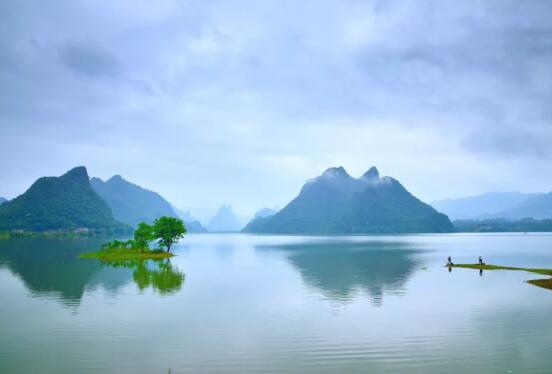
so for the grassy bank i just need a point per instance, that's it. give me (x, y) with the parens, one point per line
(544, 283)
(127, 254)
(496, 267)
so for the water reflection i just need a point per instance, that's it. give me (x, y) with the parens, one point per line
(343, 270)
(161, 275)
(50, 267)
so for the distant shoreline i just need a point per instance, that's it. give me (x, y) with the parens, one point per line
(103, 235)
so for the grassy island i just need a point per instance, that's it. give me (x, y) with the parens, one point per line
(165, 230)
(544, 283)
(128, 254)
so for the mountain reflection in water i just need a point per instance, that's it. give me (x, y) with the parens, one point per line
(50, 267)
(341, 271)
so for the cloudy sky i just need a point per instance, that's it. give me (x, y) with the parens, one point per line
(239, 102)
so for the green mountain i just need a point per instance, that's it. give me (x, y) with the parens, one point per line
(2, 200)
(59, 203)
(133, 204)
(336, 203)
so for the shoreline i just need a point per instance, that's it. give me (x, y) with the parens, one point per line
(127, 254)
(543, 283)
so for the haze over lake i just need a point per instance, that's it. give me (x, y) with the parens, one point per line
(244, 303)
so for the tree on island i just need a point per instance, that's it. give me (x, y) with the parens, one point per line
(143, 235)
(168, 230)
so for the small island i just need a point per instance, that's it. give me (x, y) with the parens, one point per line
(165, 231)
(544, 283)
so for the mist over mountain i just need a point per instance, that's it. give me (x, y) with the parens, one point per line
(265, 212)
(185, 215)
(491, 204)
(59, 203)
(498, 205)
(224, 220)
(538, 206)
(336, 203)
(2, 200)
(192, 223)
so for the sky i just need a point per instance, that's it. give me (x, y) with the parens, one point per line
(240, 102)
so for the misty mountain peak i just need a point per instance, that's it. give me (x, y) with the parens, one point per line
(336, 172)
(224, 220)
(372, 173)
(116, 179)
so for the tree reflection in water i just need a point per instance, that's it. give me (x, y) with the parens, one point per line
(161, 275)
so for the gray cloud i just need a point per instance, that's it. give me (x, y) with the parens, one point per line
(180, 96)
(90, 60)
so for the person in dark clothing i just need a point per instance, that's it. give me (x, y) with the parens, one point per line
(449, 261)
(481, 261)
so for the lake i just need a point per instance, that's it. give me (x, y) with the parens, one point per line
(244, 303)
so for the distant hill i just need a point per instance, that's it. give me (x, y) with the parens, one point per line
(133, 204)
(265, 212)
(195, 227)
(538, 206)
(487, 205)
(504, 225)
(2, 200)
(336, 203)
(59, 203)
(192, 224)
(224, 221)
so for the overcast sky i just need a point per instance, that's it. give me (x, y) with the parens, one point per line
(240, 102)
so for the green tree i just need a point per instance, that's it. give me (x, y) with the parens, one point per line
(143, 234)
(168, 230)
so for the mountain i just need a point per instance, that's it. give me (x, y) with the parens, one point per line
(265, 212)
(487, 205)
(185, 215)
(262, 214)
(224, 221)
(503, 225)
(336, 203)
(2, 200)
(131, 203)
(538, 206)
(59, 203)
(192, 224)
(195, 227)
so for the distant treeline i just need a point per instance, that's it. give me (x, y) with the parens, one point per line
(502, 225)
(123, 231)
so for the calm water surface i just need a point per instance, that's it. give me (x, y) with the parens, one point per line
(239, 303)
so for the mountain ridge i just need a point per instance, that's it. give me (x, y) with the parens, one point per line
(224, 220)
(59, 203)
(336, 203)
(133, 204)
(493, 205)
